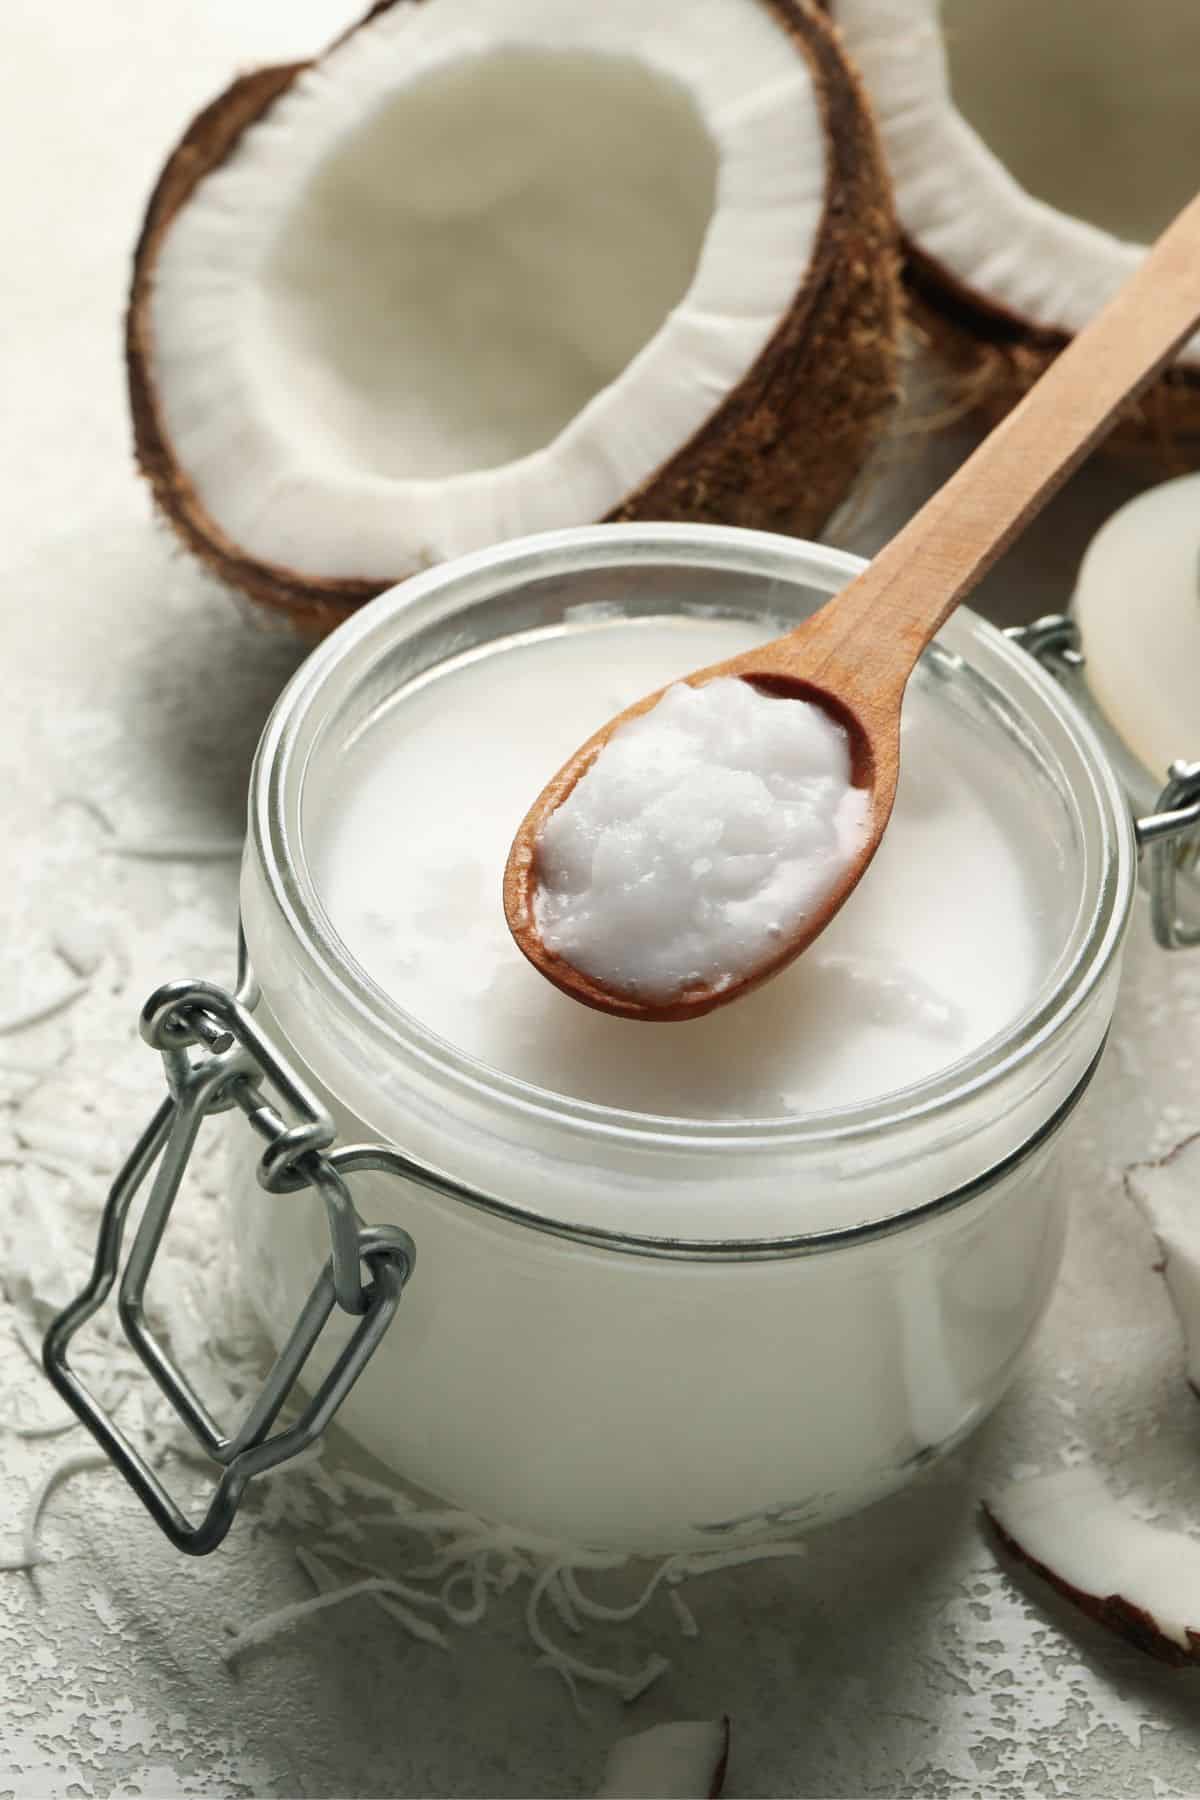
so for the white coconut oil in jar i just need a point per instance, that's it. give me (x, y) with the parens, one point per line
(939, 952)
(683, 1280)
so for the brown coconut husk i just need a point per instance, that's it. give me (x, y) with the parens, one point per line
(993, 357)
(780, 452)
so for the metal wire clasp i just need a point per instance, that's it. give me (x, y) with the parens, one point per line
(1170, 830)
(1171, 835)
(216, 1059)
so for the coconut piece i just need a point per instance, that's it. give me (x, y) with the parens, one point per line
(1168, 1194)
(495, 266)
(1139, 1580)
(999, 278)
(685, 1760)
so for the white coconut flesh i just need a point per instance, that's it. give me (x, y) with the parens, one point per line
(684, 1760)
(1168, 1195)
(1101, 1554)
(481, 271)
(1092, 105)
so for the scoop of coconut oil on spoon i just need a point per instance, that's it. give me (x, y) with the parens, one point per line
(699, 841)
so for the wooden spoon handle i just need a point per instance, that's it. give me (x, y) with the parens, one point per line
(917, 580)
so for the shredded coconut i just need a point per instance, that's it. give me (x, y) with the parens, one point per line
(40, 1010)
(478, 1562)
(683, 1612)
(573, 1669)
(46, 1429)
(29, 1556)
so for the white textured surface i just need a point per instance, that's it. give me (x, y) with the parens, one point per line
(896, 1658)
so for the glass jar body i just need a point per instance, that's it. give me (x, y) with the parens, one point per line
(653, 1333)
(651, 1404)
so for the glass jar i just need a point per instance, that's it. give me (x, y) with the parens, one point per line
(622, 1330)
(651, 1333)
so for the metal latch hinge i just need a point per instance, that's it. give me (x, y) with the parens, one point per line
(216, 1059)
(1171, 837)
(1169, 833)
(1052, 640)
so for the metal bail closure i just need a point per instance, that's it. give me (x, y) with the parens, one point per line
(1170, 831)
(1171, 834)
(1052, 640)
(217, 1059)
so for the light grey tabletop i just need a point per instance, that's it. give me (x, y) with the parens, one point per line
(896, 1657)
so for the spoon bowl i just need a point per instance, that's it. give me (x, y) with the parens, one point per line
(873, 741)
(854, 657)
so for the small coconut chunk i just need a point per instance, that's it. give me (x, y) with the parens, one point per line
(1140, 1580)
(685, 1760)
(1168, 1194)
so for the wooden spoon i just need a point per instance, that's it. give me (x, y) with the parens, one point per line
(855, 655)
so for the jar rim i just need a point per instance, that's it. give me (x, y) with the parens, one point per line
(346, 656)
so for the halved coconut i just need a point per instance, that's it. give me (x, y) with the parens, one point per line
(1034, 150)
(1168, 1194)
(495, 266)
(1140, 1580)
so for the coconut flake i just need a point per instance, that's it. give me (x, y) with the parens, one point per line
(272, 1625)
(476, 1561)
(1140, 1580)
(1167, 1193)
(687, 1619)
(685, 1760)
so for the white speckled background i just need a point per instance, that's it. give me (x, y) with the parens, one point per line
(897, 1658)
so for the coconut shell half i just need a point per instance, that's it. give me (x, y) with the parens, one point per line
(996, 278)
(778, 450)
